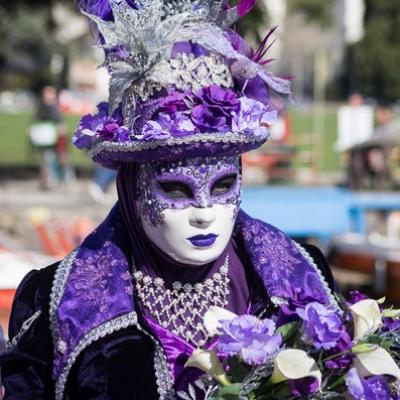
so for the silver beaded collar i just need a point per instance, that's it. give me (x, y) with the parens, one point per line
(181, 309)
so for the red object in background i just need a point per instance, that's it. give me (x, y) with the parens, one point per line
(62, 144)
(58, 238)
(6, 298)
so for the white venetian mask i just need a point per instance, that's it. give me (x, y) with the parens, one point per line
(188, 208)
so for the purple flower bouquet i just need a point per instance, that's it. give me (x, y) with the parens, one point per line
(348, 352)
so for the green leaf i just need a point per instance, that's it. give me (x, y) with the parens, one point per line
(289, 331)
(385, 342)
(279, 391)
(237, 370)
(230, 392)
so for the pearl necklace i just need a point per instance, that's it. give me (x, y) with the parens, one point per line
(181, 308)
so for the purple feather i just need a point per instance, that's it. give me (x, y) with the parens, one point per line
(101, 8)
(245, 6)
(263, 48)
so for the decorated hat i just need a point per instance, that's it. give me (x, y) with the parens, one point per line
(183, 83)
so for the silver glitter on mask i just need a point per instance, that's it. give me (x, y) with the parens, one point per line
(198, 175)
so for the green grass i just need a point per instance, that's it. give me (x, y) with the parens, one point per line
(14, 143)
(302, 128)
(15, 149)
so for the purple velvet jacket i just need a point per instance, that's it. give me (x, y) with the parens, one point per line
(76, 333)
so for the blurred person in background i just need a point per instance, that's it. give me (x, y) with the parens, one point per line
(355, 125)
(48, 135)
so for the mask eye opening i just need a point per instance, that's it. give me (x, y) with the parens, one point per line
(175, 189)
(224, 184)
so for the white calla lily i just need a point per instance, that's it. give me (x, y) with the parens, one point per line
(376, 362)
(213, 317)
(292, 364)
(207, 361)
(367, 317)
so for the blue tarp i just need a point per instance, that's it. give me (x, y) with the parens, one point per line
(320, 212)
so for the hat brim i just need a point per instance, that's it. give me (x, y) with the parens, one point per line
(112, 154)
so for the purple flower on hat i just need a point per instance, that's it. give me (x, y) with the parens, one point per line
(322, 326)
(174, 102)
(100, 126)
(213, 109)
(252, 338)
(182, 125)
(252, 117)
(153, 130)
(107, 131)
(166, 125)
(373, 388)
(122, 134)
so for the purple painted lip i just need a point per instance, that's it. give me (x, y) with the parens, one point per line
(203, 240)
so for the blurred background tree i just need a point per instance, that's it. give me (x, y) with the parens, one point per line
(372, 64)
(255, 24)
(315, 11)
(28, 44)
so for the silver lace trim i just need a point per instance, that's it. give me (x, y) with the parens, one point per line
(163, 377)
(138, 146)
(181, 308)
(328, 291)
(187, 72)
(24, 328)
(95, 334)
(57, 291)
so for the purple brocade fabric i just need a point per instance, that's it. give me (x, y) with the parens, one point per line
(94, 286)
(96, 289)
(285, 272)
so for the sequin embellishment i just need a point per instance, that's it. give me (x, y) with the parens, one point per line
(198, 173)
(179, 309)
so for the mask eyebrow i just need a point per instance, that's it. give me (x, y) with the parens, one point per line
(225, 171)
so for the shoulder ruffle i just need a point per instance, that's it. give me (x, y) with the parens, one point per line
(31, 301)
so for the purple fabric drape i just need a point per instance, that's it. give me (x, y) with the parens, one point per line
(154, 263)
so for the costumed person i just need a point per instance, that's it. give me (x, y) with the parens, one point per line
(120, 316)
